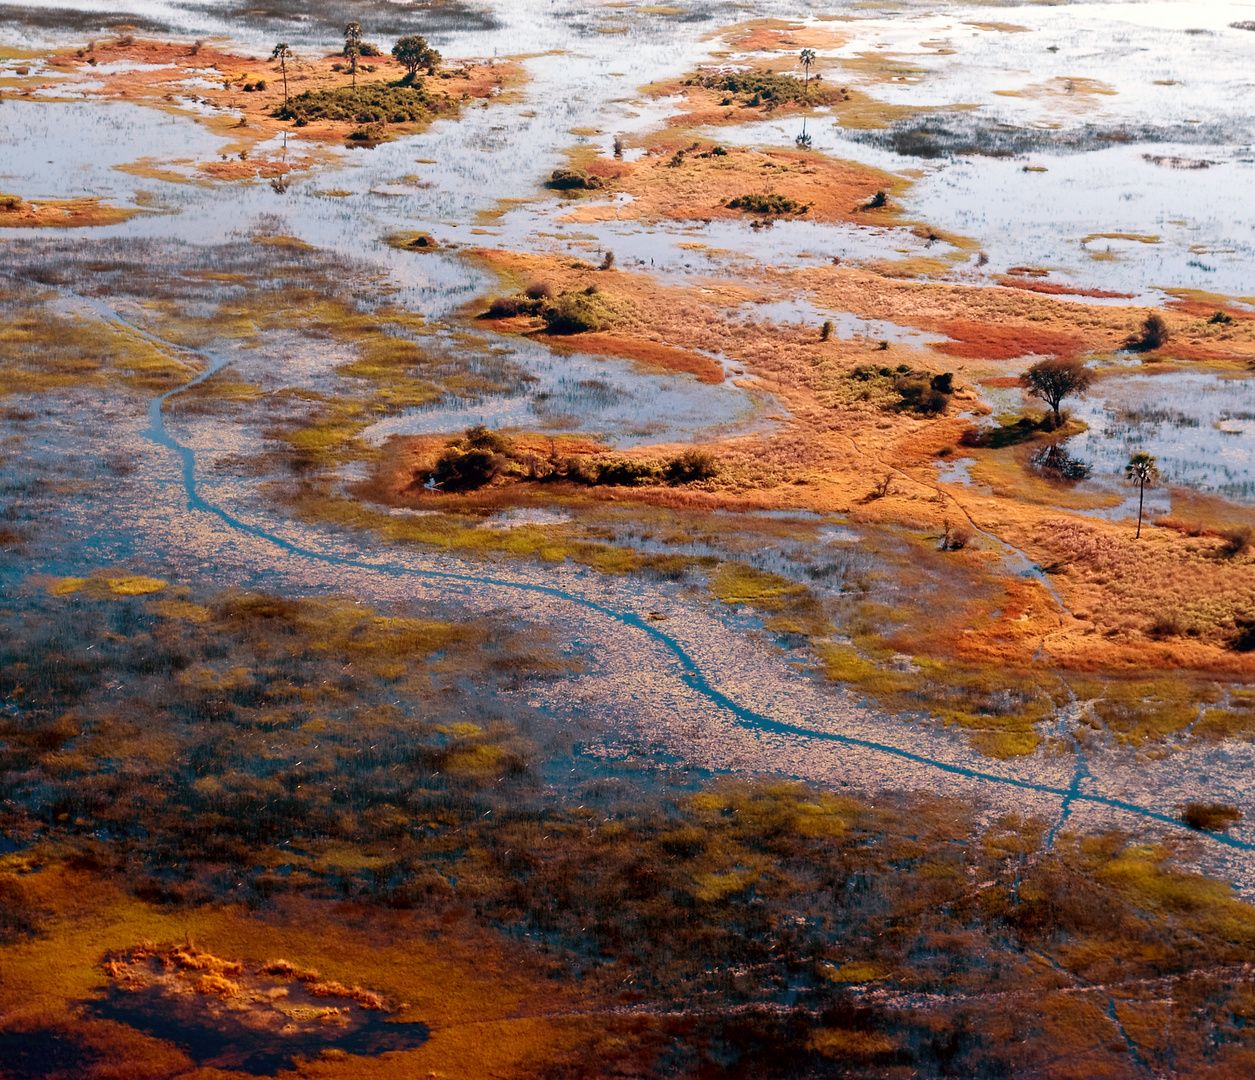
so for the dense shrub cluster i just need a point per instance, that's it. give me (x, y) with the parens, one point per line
(772, 205)
(573, 180)
(480, 456)
(759, 87)
(576, 311)
(370, 103)
(915, 390)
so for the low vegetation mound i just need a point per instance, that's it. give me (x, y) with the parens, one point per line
(904, 388)
(772, 205)
(573, 180)
(481, 456)
(575, 311)
(1210, 817)
(370, 103)
(764, 87)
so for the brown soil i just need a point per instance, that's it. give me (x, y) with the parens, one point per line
(698, 185)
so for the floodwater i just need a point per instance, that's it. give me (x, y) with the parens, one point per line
(1134, 119)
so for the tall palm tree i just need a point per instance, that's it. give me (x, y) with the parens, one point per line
(353, 47)
(1141, 470)
(808, 58)
(282, 53)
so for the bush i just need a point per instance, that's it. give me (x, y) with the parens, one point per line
(880, 199)
(955, 537)
(372, 103)
(1237, 539)
(691, 466)
(625, 473)
(465, 471)
(539, 290)
(572, 180)
(579, 312)
(509, 307)
(760, 86)
(921, 394)
(1153, 335)
(771, 205)
(1210, 817)
(481, 438)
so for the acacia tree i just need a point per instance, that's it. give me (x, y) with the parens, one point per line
(1141, 470)
(808, 58)
(282, 53)
(413, 53)
(353, 47)
(1054, 379)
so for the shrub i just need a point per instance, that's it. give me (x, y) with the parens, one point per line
(921, 394)
(1221, 318)
(481, 438)
(955, 537)
(625, 473)
(1210, 817)
(509, 307)
(380, 103)
(691, 466)
(572, 180)
(539, 290)
(825, 331)
(772, 205)
(465, 471)
(1153, 335)
(760, 86)
(579, 312)
(877, 201)
(1237, 539)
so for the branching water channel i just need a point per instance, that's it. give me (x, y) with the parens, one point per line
(697, 676)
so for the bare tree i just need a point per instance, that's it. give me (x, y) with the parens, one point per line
(1142, 470)
(282, 53)
(1054, 379)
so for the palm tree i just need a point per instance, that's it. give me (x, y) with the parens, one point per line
(1142, 470)
(282, 53)
(353, 47)
(808, 58)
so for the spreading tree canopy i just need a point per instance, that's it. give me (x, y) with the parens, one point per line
(413, 53)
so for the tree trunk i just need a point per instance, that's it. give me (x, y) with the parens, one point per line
(1141, 494)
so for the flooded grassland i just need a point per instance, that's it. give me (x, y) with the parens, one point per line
(548, 566)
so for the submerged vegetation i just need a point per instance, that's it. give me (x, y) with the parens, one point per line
(822, 914)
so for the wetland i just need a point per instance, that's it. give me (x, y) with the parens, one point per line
(565, 562)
